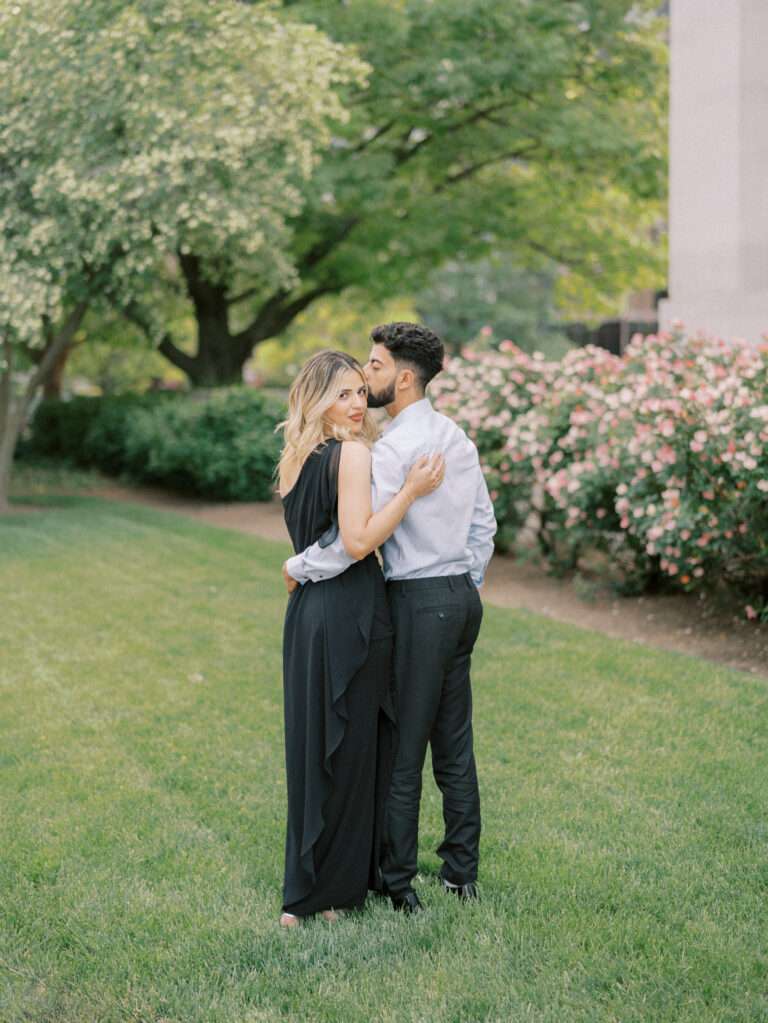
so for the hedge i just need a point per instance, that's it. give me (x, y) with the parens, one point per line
(222, 447)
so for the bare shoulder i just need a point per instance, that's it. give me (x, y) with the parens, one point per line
(355, 455)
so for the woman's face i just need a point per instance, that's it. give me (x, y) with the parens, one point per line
(351, 402)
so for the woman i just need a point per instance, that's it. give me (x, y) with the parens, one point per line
(337, 642)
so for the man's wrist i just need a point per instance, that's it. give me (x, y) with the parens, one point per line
(295, 568)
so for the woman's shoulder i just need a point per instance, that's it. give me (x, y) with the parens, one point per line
(355, 452)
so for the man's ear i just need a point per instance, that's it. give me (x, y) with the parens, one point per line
(405, 379)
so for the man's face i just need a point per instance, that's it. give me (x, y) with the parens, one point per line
(381, 374)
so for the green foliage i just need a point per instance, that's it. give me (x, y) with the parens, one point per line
(534, 128)
(623, 855)
(87, 431)
(116, 357)
(223, 447)
(658, 459)
(497, 301)
(135, 131)
(60, 427)
(133, 135)
(340, 322)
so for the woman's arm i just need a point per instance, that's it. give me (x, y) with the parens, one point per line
(361, 530)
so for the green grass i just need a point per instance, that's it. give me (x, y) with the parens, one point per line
(43, 476)
(625, 846)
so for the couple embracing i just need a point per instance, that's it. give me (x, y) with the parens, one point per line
(377, 664)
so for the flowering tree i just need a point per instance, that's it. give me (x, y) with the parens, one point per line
(659, 458)
(135, 136)
(487, 125)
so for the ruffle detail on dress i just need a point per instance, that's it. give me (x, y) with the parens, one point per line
(345, 654)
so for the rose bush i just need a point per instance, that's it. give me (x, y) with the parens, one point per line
(658, 458)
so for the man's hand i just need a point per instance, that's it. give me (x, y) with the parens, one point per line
(290, 582)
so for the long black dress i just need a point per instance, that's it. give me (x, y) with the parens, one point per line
(339, 719)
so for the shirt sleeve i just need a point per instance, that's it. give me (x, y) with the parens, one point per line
(387, 473)
(317, 562)
(482, 530)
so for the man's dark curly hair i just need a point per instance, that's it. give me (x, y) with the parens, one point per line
(410, 343)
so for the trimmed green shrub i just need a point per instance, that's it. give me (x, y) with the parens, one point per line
(59, 428)
(223, 447)
(105, 442)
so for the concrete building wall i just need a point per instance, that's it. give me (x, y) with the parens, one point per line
(718, 211)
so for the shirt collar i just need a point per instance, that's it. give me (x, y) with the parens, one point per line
(415, 411)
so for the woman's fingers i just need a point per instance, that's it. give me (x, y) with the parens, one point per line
(438, 469)
(434, 465)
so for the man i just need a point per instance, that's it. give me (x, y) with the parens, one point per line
(434, 564)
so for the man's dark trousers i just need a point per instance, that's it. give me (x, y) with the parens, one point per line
(436, 622)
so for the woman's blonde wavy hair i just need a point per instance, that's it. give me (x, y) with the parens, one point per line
(312, 393)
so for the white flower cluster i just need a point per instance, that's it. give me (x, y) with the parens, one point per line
(129, 131)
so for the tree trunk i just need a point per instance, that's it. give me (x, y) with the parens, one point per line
(13, 410)
(220, 357)
(10, 427)
(54, 379)
(221, 354)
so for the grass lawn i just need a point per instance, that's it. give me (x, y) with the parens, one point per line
(625, 846)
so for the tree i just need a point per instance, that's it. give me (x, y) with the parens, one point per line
(137, 137)
(497, 300)
(525, 126)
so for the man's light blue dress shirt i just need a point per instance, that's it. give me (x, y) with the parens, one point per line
(448, 532)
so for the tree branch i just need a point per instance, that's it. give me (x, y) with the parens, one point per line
(61, 341)
(275, 315)
(134, 314)
(403, 155)
(557, 257)
(248, 293)
(472, 169)
(484, 113)
(176, 356)
(374, 137)
(311, 258)
(325, 246)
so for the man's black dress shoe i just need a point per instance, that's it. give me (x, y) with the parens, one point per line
(408, 903)
(461, 891)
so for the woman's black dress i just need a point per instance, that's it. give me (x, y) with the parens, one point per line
(337, 656)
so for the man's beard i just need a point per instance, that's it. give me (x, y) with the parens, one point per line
(385, 397)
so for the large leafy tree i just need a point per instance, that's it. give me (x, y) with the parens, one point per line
(528, 126)
(136, 138)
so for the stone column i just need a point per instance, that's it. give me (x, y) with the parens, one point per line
(718, 209)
